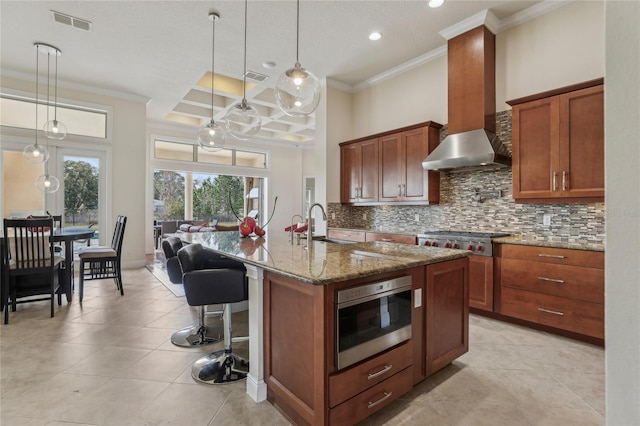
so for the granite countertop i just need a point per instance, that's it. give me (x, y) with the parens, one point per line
(322, 263)
(546, 242)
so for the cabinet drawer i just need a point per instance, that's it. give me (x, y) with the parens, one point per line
(589, 259)
(346, 384)
(574, 282)
(392, 238)
(373, 399)
(339, 234)
(577, 316)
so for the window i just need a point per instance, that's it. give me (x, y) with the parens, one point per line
(180, 151)
(20, 112)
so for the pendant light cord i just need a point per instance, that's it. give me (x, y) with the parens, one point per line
(244, 75)
(297, 31)
(48, 83)
(55, 99)
(37, 85)
(213, 44)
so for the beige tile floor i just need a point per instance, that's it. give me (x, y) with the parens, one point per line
(109, 361)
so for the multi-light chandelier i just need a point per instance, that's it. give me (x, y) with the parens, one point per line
(53, 129)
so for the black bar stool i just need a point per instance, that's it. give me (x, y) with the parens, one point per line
(206, 286)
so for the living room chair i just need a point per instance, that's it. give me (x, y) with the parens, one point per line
(170, 247)
(101, 262)
(30, 266)
(203, 286)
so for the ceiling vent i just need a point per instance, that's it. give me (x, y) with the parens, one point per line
(65, 19)
(255, 76)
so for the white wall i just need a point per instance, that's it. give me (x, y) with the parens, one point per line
(339, 129)
(622, 257)
(554, 50)
(415, 96)
(563, 47)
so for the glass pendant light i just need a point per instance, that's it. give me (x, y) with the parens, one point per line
(47, 183)
(36, 153)
(211, 136)
(53, 129)
(297, 90)
(243, 120)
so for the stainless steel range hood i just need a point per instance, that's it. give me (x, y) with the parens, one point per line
(472, 143)
(473, 150)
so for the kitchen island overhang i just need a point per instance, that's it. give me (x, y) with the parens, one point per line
(317, 271)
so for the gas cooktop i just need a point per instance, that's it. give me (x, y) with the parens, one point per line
(463, 234)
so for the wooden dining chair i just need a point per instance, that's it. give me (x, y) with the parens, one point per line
(100, 262)
(31, 268)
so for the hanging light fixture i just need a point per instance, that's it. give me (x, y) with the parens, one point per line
(243, 120)
(297, 90)
(47, 183)
(36, 153)
(211, 136)
(54, 129)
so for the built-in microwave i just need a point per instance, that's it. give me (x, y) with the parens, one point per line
(371, 318)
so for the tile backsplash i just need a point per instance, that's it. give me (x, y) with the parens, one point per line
(469, 201)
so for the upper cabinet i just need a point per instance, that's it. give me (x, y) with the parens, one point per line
(387, 168)
(558, 145)
(359, 172)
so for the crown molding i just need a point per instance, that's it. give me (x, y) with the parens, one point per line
(332, 82)
(80, 87)
(486, 18)
(415, 62)
(533, 12)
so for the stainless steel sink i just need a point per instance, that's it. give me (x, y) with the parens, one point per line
(332, 240)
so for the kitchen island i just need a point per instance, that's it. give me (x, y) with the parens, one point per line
(292, 326)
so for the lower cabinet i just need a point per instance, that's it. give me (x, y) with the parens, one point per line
(559, 288)
(447, 313)
(300, 344)
(481, 282)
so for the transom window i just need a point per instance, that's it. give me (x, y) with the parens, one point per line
(19, 112)
(167, 150)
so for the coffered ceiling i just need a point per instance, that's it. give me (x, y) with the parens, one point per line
(161, 50)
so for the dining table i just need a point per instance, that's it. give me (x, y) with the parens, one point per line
(68, 236)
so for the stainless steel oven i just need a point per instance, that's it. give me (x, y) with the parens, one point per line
(372, 318)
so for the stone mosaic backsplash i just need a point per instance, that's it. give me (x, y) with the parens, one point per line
(462, 208)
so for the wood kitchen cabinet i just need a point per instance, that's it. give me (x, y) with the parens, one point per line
(447, 313)
(558, 288)
(300, 368)
(395, 163)
(401, 176)
(481, 282)
(359, 172)
(558, 144)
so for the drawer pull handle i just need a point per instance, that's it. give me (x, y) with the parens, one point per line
(554, 256)
(387, 240)
(553, 280)
(386, 396)
(379, 373)
(551, 312)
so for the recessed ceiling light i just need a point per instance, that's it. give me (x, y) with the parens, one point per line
(375, 36)
(436, 3)
(269, 64)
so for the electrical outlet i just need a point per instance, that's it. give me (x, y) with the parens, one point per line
(333, 216)
(417, 218)
(364, 216)
(546, 219)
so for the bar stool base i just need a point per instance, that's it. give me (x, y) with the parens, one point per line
(196, 335)
(219, 368)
